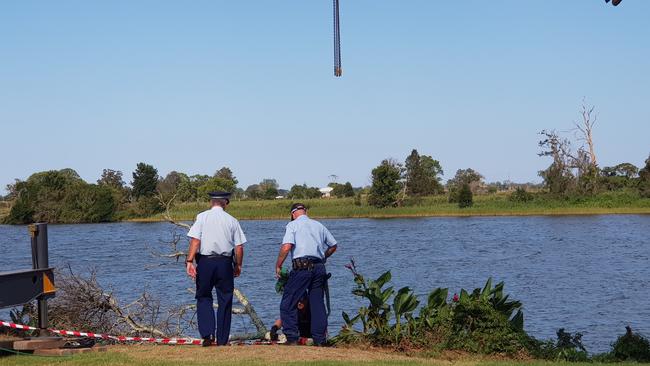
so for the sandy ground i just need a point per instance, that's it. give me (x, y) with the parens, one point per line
(276, 353)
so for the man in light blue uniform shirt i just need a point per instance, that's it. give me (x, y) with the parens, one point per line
(217, 243)
(310, 244)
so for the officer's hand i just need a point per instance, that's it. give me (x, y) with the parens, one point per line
(191, 270)
(278, 272)
(237, 270)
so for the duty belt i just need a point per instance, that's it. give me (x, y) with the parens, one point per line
(305, 263)
(212, 256)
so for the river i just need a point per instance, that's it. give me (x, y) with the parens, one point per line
(584, 273)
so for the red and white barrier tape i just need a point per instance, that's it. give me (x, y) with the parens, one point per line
(179, 341)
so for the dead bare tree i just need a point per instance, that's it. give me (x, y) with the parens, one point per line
(584, 130)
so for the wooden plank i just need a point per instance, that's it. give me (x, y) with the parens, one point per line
(69, 351)
(36, 344)
(7, 344)
(53, 352)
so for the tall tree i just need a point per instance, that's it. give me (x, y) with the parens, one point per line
(571, 171)
(422, 175)
(584, 129)
(215, 184)
(342, 190)
(464, 177)
(385, 184)
(168, 187)
(111, 178)
(644, 179)
(145, 180)
(226, 173)
(12, 190)
(253, 191)
(558, 177)
(268, 188)
(626, 170)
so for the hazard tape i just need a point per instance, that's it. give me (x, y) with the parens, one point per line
(178, 341)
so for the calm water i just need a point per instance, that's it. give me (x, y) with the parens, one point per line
(589, 274)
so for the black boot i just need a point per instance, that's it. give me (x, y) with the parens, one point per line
(274, 333)
(208, 341)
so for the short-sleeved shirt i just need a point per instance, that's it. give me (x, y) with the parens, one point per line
(309, 237)
(218, 232)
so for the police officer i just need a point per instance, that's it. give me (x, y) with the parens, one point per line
(217, 244)
(310, 244)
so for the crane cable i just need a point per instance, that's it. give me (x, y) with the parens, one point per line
(338, 70)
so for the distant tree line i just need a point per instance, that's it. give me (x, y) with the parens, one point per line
(62, 196)
(573, 172)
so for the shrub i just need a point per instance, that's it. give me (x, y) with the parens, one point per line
(482, 321)
(465, 196)
(631, 347)
(521, 195)
(60, 197)
(147, 206)
(357, 199)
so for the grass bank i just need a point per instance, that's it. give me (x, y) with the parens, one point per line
(148, 355)
(484, 205)
(5, 207)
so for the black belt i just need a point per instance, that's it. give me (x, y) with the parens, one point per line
(212, 256)
(305, 263)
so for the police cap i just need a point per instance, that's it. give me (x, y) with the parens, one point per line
(219, 195)
(298, 206)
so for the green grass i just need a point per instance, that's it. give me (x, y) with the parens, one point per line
(484, 205)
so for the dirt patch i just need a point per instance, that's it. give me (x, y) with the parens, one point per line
(265, 353)
(280, 354)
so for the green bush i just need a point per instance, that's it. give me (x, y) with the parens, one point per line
(146, 206)
(631, 347)
(521, 195)
(465, 196)
(60, 197)
(90, 203)
(483, 321)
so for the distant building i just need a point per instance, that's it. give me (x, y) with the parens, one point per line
(326, 192)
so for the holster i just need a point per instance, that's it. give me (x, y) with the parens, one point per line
(301, 264)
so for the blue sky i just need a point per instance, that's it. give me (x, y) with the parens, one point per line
(193, 86)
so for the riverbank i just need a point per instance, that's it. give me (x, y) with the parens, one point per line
(263, 355)
(484, 205)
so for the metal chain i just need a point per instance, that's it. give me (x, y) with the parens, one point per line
(338, 71)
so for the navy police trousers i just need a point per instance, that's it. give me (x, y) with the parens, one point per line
(210, 273)
(300, 281)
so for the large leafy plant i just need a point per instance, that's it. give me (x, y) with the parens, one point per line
(485, 320)
(376, 316)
